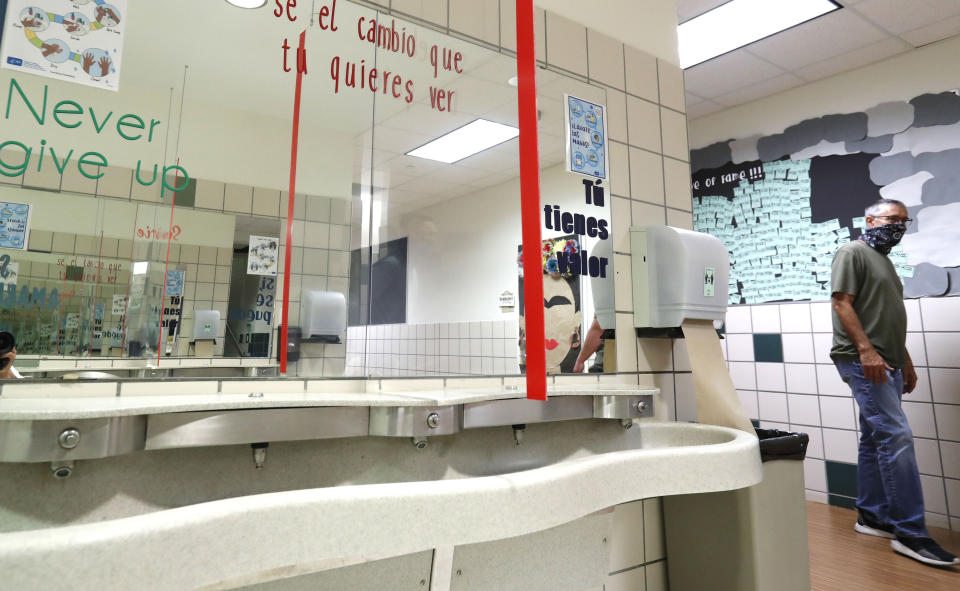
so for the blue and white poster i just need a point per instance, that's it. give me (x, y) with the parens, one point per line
(14, 225)
(79, 41)
(586, 137)
(175, 283)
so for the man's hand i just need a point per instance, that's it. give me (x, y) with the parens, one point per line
(875, 368)
(909, 377)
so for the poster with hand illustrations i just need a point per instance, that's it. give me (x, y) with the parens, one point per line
(14, 225)
(263, 256)
(79, 41)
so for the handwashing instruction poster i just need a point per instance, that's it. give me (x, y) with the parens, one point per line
(14, 225)
(80, 41)
(586, 137)
(263, 255)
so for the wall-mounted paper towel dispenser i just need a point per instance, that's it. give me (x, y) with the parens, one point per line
(206, 325)
(324, 316)
(677, 274)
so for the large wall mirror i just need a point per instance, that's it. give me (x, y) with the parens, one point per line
(153, 215)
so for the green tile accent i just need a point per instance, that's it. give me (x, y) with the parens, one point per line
(768, 348)
(186, 197)
(756, 423)
(845, 502)
(842, 479)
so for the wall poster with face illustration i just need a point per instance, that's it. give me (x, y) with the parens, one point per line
(562, 316)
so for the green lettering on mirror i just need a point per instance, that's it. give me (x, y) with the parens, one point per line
(42, 116)
(166, 174)
(61, 109)
(137, 123)
(20, 168)
(139, 180)
(92, 159)
(63, 166)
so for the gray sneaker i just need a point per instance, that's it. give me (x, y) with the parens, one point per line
(924, 550)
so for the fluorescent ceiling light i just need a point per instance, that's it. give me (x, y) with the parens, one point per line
(466, 141)
(248, 3)
(140, 268)
(741, 22)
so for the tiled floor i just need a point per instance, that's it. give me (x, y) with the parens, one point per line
(843, 560)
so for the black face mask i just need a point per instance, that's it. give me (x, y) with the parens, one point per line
(884, 238)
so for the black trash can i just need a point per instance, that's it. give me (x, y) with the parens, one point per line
(752, 539)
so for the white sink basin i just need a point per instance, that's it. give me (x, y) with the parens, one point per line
(250, 536)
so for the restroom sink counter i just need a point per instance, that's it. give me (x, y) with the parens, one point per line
(55, 400)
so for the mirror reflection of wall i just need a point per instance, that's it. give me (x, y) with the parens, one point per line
(251, 323)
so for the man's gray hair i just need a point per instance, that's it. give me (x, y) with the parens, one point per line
(875, 209)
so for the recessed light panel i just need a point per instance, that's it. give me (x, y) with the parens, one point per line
(741, 22)
(248, 3)
(466, 141)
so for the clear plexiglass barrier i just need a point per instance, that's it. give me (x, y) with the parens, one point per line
(145, 169)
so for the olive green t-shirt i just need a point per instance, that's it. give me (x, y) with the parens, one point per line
(871, 279)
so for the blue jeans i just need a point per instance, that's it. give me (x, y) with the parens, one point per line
(888, 481)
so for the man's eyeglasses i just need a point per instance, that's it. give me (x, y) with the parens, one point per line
(894, 219)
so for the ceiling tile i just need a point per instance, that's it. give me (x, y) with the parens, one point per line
(728, 73)
(932, 33)
(687, 9)
(817, 40)
(899, 16)
(757, 91)
(692, 99)
(703, 109)
(854, 59)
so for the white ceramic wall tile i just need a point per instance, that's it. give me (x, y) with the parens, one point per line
(945, 385)
(631, 580)
(671, 86)
(815, 446)
(953, 498)
(816, 497)
(680, 219)
(822, 342)
(837, 413)
(641, 74)
(917, 348)
(795, 318)
(626, 535)
(643, 123)
(914, 323)
(480, 20)
(943, 349)
(920, 417)
(434, 11)
(804, 409)
(948, 421)
(829, 382)
(934, 497)
(937, 520)
(950, 455)
(648, 167)
(771, 377)
(773, 406)
(657, 355)
(798, 348)
(822, 317)
(655, 547)
(815, 474)
(686, 397)
(743, 374)
(941, 314)
(657, 577)
(766, 319)
(928, 456)
(738, 320)
(677, 184)
(566, 44)
(606, 59)
(674, 126)
(840, 446)
(750, 403)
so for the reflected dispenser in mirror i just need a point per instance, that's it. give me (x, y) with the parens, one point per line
(324, 316)
(206, 325)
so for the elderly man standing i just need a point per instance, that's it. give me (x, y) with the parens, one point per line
(869, 350)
